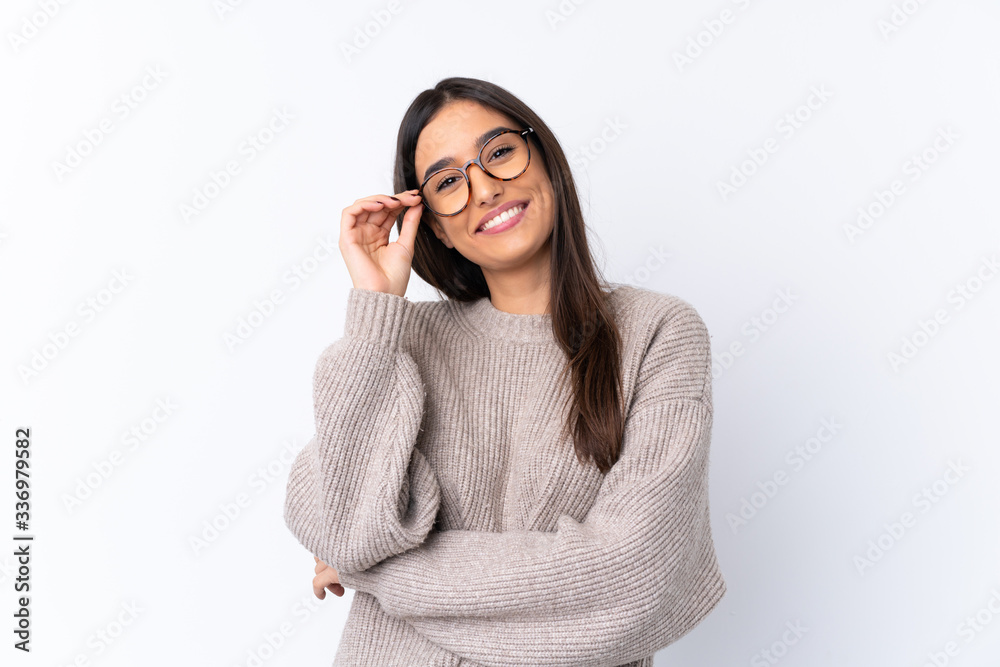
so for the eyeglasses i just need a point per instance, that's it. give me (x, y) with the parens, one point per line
(447, 191)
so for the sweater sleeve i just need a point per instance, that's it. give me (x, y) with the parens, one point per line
(636, 575)
(360, 491)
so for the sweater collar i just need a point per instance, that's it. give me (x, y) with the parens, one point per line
(489, 321)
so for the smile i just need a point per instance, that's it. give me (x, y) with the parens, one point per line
(504, 221)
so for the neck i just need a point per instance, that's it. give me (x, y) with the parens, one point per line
(523, 291)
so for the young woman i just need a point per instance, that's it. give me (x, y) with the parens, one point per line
(516, 474)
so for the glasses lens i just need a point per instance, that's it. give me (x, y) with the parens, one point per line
(505, 156)
(446, 192)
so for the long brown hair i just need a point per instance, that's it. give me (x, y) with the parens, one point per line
(583, 322)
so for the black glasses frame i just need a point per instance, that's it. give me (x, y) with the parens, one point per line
(478, 161)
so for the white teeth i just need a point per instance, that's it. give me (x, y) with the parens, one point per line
(503, 217)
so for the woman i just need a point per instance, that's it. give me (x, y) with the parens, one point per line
(516, 474)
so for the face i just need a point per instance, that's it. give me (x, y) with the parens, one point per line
(452, 133)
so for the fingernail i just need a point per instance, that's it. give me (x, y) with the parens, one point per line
(391, 197)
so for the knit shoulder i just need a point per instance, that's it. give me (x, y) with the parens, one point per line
(666, 347)
(653, 308)
(430, 324)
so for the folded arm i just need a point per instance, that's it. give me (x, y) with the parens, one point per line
(637, 574)
(359, 491)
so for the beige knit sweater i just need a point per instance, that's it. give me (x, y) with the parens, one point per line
(444, 490)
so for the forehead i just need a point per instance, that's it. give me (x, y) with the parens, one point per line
(450, 133)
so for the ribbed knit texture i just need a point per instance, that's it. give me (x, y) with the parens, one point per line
(445, 491)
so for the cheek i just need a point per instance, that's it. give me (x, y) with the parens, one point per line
(455, 228)
(546, 196)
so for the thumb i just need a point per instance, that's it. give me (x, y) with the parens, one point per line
(408, 234)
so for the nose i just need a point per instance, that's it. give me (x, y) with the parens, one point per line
(485, 189)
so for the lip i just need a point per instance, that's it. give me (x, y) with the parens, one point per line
(497, 211)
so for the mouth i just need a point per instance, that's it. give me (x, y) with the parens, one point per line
(503, 217)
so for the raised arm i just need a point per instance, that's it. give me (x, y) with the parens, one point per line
(636, 575)
(359, 491)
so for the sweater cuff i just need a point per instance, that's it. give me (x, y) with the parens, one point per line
(362, 581)
(376, 317)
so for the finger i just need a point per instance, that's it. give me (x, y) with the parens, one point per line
(390, 202)
(406, 194)
(408, 234)
(408, 198)
(365, 207)
(319, 585)
(329, 576)
(362, 211)
(358, 212)
(374, 203)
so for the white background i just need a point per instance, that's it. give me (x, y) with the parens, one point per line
(660, 137)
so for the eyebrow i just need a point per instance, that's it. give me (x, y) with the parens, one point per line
(478, 144)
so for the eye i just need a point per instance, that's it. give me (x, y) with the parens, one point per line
(501, 150)
(443, 183)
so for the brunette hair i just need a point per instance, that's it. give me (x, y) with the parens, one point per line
(583, 321)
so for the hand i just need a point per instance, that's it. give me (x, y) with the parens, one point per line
(326, 578)
(372, 261)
